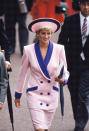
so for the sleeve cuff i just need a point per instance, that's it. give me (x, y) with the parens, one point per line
(18, 95)
(1, 102)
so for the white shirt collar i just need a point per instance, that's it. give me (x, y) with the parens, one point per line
(82, 20)
(82, 17)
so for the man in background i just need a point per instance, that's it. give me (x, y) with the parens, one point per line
(75, 37)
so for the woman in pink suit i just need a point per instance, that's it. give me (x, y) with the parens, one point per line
(44, 59)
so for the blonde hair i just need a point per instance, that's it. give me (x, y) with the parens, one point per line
(37, 33)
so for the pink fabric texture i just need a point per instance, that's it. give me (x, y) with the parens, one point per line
(41, 119)
(41, 25)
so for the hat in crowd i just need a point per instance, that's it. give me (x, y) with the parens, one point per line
(41, 23)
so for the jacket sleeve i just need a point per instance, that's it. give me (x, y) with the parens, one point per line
(22, 75)
(3, 78)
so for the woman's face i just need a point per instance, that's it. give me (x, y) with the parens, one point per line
(45, 36)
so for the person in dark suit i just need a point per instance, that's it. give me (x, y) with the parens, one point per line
(75, 36)
(4, 63)
(16, 12)
(13, 16)
(4, 71)
(4, 42)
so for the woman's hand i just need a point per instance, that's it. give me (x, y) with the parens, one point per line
(61, 81)
(1, 106)
(17, 102)
(8, 65)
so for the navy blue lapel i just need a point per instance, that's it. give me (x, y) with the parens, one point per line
(43, 63)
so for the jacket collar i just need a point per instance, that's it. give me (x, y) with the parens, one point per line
(43, 63)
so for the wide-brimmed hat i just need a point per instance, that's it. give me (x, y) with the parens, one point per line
(41, 23)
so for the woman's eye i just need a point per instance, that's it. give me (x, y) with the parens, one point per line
(43, 33)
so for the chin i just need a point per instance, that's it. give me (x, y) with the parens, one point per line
(86, 14)
(45, 42)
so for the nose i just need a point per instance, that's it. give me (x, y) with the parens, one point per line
(46, 35)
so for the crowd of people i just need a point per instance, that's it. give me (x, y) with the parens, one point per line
(51, 64)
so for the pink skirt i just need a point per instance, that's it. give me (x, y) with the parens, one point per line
(41, 115)
(41, 119)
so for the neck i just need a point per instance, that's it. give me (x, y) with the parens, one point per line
(43, 45)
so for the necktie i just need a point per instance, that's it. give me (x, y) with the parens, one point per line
(84, 27)
(84, 37)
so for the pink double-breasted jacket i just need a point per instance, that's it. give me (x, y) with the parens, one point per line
(42, 89)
